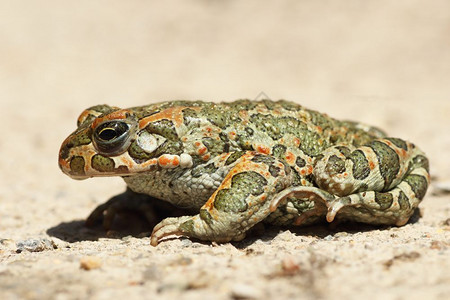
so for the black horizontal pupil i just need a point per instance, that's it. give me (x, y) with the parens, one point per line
(111, 130)
(108, 134)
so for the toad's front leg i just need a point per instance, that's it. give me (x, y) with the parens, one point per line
(242, 200)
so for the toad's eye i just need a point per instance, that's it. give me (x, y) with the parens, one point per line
(112, 138)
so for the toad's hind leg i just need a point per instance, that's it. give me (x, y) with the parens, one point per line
(242, 200)
(379, 183)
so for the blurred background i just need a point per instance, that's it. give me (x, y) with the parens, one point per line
(138, 51)
(386, 63)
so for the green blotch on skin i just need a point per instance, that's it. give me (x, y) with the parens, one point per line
(205, 216)
(403, 201)
(276, 127)
(214, 146)
(344, 150)
(164, 127)
(216, 116)
(384, 200)
(320, 120)
(420, 161)
(274, 170)
(398, 142)
(268, 160)
(335, 165)
(296, 179)
(80, 138)
(168, 147)
(243, 104)
(311, 143)
(360, 164)
(187, 227)
(300, 162)
(102, 163)
(243, 185)
(279, 151)
(77, 165)
(418, 184)
(189, 116)
(388, 161)
(103, 109)
(234, 157)
(137, 152)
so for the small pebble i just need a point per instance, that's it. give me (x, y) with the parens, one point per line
(90, 262)
(8, 244)
(245, 291)
(290, 265)
(35, 245)
(328, 238)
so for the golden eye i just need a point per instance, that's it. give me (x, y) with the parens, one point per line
(109, 133)
(111, 138)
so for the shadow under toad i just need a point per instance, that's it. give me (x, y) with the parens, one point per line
(319, 231)
(125, 224)
(134, 224)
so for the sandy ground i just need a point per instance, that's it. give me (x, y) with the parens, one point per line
(386, 63)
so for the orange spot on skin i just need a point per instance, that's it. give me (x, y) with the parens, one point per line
(115, 115)
(303, 172)
(371, 165)
(174, 114)
(290, 158)
(164, 160)
(206, 157)
(126, 162)
(263, 149)
(168, 160)
(309, 169)
(296, 142)
(64, 164)
(175, 161)
(232, 135)
(303, 181)
(403, 151)
(202, 150)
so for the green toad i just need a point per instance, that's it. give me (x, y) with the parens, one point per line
(229, 166)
